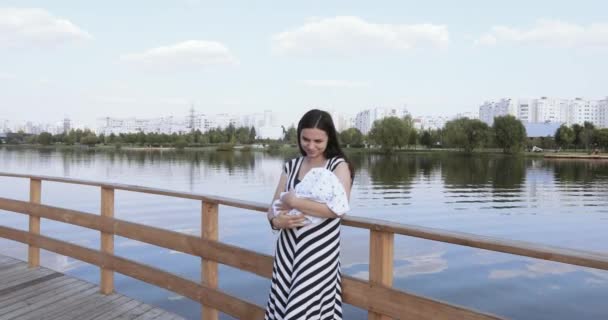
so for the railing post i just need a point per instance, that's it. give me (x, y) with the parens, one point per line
(107, 239)
(209, 273)
(380, 263)
(33, 256)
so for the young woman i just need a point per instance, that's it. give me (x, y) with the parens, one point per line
(306, 271)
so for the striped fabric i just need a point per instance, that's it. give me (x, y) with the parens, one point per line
(306, 270)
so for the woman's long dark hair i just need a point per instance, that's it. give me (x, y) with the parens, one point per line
(320, 119)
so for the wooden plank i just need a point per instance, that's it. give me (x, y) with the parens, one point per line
(569, 256)
(250, 205)
(96, 303)
(118, 311)
(74, 303)
(4, 260)
(151, 314)
(35, 289)
(403, 305)
(551, 253)
(108, 307)
(17, 268)
(22, 278)
(60, 305)
(212, 297)
(135, 312)
(234, 256)
(209, 269)
(380, 264)
(168, 316)
(8, 268)
(23, 307)
(22, 270)
(33, 256)
(107, 240)
(17, 288)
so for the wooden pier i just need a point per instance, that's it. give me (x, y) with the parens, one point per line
(376, 295)
(40, 293)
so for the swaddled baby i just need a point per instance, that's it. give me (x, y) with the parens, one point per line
(320, 185)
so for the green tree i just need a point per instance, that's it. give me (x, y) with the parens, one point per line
(466, 134)
(90, 139)
(351, 137)
(413, 140)
(600, 138)
(45, 138)
(578, 135)
(390, 133)
(291, 136)
(509, 133)
(564, 136)
(587, 134)
(426, 139)
(180, 143)
(252, 135)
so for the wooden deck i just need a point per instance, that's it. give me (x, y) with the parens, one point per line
(40, 293)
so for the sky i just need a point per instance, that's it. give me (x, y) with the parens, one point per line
(91, 59)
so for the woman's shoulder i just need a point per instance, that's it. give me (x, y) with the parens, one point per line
(290, 164)
(334, 162)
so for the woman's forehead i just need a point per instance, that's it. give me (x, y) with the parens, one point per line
(314, 133)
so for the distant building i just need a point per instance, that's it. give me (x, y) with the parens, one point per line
(430, 122)
(546, 109)
(490, 110)
(364, 120)
(67, 125)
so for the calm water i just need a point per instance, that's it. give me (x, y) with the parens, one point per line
(563, 203)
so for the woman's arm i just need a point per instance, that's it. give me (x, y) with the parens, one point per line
(283, 221)
(317, 209)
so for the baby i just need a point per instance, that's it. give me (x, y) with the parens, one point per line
(320, 185)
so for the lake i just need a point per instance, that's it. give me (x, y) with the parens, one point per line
(555, 202)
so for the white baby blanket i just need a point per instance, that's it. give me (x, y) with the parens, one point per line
(320, 185)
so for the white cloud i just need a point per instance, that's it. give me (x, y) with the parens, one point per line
(21, 27)
(183, 55)
(335, 83)
(348, 35)
(535, 270)
(551, 33)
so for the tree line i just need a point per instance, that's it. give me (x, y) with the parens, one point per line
(388, 134)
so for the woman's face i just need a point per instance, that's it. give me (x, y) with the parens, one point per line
(313, 141)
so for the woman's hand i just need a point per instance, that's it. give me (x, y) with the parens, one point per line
(288, 199)
(286, 221)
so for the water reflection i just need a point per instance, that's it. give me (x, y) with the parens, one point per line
(562, 203)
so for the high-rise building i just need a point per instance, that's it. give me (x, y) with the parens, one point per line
(548, 110)
(365, 119)
(490, 109)
(67, 125)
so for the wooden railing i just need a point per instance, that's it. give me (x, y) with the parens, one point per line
(376, 295)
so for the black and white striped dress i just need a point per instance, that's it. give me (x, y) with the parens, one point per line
(306, 281)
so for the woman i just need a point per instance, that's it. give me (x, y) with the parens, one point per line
(306, 270)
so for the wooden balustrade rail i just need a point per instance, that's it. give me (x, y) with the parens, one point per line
(376, 295)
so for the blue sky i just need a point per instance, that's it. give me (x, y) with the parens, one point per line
(153, 58)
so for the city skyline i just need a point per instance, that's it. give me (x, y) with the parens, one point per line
(159, 58)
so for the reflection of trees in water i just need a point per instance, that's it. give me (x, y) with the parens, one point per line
(399, 169)
(229, 160)
(508, 172)
(501, 172)
(583, 171)
(465, 170)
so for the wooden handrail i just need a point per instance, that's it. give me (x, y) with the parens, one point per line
(377, 295)
(198, 292)
(387, 301)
